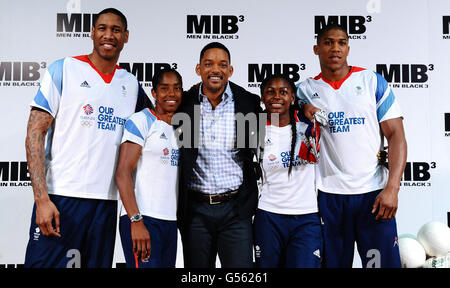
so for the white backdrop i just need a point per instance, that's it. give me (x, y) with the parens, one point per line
(407, 41)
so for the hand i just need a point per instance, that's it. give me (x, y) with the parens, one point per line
(46, 212)
(387, 202)
(321, 118)
(309, 111)
(141, 240)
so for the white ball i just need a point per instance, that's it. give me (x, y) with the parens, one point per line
(435, 238)
(412, 254)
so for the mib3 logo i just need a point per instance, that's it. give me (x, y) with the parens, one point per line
(218, 27)
(21, 73)
(405, 75)
(257, 72)
(354, 25)
(76, 25)
(447, 124)
(14, 173)
(144, 71)
(445, 27)
(417, 174)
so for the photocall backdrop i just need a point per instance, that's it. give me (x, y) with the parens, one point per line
(408, 42)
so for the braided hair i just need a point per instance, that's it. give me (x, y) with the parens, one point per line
(293, 138)
(292, 112)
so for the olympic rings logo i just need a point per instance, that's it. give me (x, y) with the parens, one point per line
(86, 123)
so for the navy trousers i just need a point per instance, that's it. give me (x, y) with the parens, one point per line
(349, 219)
(88, 234)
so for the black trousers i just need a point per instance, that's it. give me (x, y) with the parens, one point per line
(215, 229)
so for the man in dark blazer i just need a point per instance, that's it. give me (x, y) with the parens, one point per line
(218, 191)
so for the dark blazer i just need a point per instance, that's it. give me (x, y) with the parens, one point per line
(245, 102)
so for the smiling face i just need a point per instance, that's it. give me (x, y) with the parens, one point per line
(109, 36)
(168, 93)
(214, 69)
(277, 96)
(333, 50)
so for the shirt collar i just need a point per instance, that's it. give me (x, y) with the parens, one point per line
(227, 94)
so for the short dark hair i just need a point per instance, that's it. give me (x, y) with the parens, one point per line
(160, 74)
(115, 12)
(331, 26)
(215, 45)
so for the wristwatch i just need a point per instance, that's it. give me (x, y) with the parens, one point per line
(136, 217)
